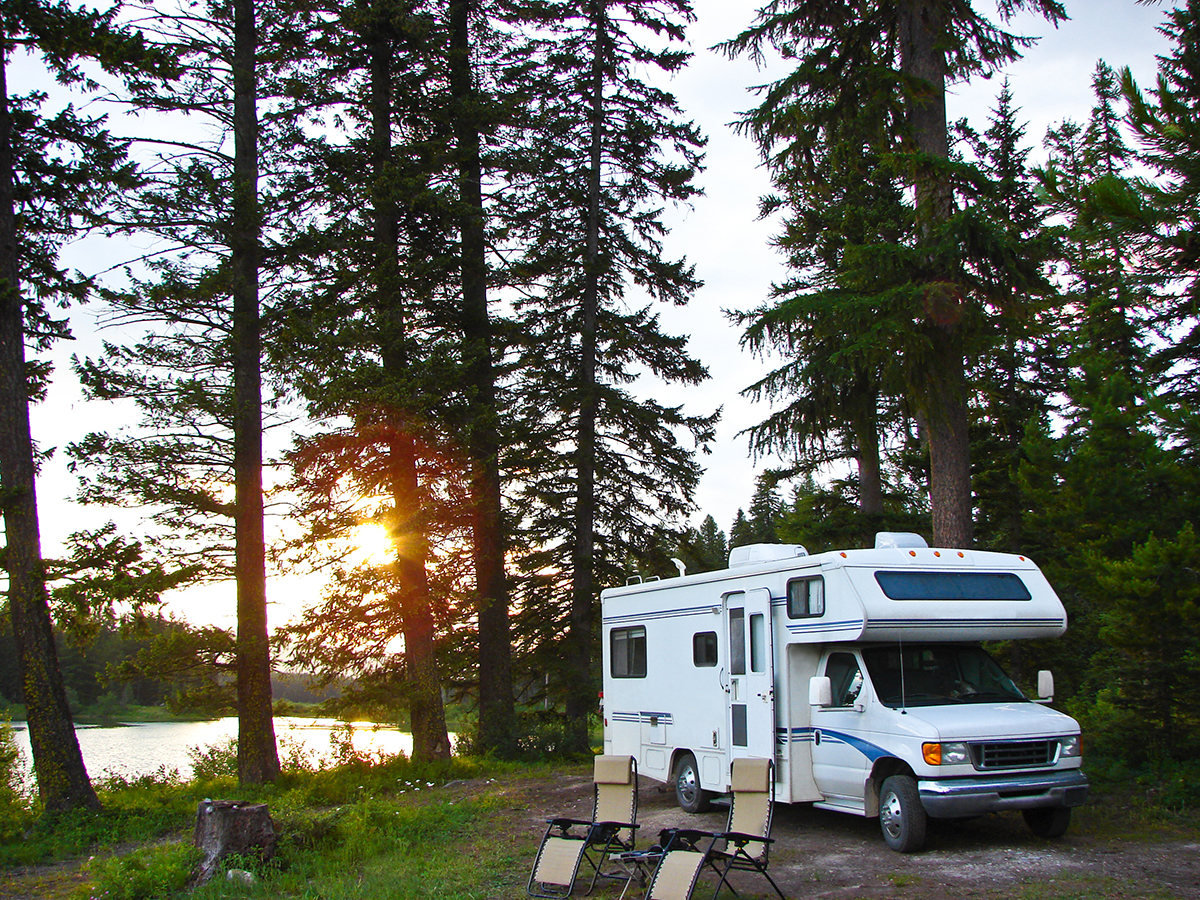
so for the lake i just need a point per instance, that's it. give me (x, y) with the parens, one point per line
(141, 748)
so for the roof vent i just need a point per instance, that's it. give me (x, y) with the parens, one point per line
(895, 540)
(752, 554)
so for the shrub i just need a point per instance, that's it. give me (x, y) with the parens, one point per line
(215, 761)
(144, 874)
(15, 815)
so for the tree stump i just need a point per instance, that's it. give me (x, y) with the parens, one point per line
(225, 828)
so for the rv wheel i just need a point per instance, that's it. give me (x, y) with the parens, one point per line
(1049, 822)
(901, 816)
(691, 797)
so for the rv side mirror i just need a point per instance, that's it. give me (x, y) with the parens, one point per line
(1045, 685)
(820, 691)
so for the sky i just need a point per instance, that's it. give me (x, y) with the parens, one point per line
(719, 233)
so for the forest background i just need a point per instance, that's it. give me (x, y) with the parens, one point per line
(425, 249)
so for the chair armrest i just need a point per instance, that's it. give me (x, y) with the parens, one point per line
(605, 830)
(741, 839)
(566, 824)
(688, 838)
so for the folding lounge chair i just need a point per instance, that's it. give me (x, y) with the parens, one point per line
(745, 843)
(568, 842)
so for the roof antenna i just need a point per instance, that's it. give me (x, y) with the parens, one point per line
(680, 566)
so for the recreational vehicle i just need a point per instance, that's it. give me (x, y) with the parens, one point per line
(859, 672)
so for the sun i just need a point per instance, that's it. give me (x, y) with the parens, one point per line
(372, 545)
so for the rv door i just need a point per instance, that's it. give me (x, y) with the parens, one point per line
(751, 691)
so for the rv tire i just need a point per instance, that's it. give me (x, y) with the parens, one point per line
(688, 794)
(1048, 822)
(902, 818)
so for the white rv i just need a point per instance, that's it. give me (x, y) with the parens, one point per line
(860, 672)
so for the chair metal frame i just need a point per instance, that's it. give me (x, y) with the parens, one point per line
(733, 850)
(612, 829)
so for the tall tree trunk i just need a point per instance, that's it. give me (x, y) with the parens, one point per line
(496, 705)
(923, 25)
(427, 715)
(258, 758)
(581, 689)
(870, 478)
(58, 764)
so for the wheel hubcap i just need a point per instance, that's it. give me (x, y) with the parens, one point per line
(890, 814)
(687, 785)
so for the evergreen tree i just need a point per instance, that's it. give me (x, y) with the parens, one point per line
(370, 343)
(1016, 377)
(55, 174)
(704, 549)
(606, 149)
(897, 58)
(197, 377)
(1154, 621)
(1168, 134)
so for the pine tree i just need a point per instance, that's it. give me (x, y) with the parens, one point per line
(56, 173)
(607, 148)
(370, 343)
(1168, 136)
(861, 54)
(197, 376)
(1015, 379)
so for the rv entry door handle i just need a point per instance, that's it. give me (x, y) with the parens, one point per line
(724, 681)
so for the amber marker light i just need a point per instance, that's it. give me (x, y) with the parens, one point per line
(952, 754)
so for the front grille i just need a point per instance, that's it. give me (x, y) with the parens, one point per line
(1013, 754)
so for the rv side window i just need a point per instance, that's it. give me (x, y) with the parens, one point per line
(628, 652)
(737, 641)
(806, 597)
(704, 648)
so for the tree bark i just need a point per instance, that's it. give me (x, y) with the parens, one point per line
(427, 716)
(870, 478)
(496, 707)
(258, 758)
(227, 829)
(943, 387)
(62, 778)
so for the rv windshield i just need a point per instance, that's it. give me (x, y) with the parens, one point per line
(937, 674)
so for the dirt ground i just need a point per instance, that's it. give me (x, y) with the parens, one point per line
(822, 854)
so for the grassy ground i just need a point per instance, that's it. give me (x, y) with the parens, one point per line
(387, 829)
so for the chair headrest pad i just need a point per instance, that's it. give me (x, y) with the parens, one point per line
(613, 770)
(751, 775)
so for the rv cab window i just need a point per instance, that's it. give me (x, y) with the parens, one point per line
(845, 677)
(704, 648)
(806, 598)
(628, 646)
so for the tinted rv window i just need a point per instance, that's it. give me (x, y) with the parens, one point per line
(952, 585)
(704, 648)
(737, 641)
(628, 652)
(806, 597)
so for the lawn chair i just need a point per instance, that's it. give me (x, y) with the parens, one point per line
(568, 842)
(745, 843)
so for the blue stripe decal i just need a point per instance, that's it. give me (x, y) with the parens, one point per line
(961, 623)
(642, 716)
(819, 627)
(807, 736)
(663, 614)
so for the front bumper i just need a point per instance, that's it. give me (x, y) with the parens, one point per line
(955, 797)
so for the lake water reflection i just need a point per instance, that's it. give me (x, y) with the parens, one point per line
(140, 749)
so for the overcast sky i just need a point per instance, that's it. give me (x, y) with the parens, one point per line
(720, 234)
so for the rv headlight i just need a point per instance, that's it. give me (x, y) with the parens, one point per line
(1070, 746)
(954, 754)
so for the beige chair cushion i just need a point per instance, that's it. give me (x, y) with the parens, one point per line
(751, 775)
(613, 770)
